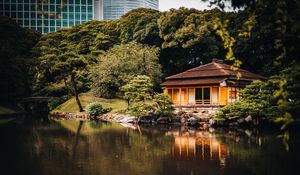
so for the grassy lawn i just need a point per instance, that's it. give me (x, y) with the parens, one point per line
(5, 110)
(86, 98)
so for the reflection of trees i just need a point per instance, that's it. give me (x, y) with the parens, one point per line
(76, 140)
(252, 152)
(73, 147)
(107, 149)
(145, 152)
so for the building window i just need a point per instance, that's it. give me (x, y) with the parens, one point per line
(40, 29)
(46, 30)
(52, 29)
(170, 92)
(20, 15)
(58, 22)
(233, 93)
(33, 7)
(71, 8)
(20, 7)
(77, 8)
(33, 15)
(26, 7)
(83, 8)
(13, 7)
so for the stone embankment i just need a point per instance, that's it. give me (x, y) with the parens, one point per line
(180, 118)
(197, 119)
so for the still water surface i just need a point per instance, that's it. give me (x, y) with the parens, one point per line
(96, 148)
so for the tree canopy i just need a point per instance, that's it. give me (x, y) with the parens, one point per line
(120, 64)
(15, 60)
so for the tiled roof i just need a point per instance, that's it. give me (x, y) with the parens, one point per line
(184, 82)
(215, 69)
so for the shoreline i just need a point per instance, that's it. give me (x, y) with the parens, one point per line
(179, 119)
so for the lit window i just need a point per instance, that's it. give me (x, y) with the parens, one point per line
(233, 94)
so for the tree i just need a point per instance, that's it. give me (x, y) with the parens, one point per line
(63, 68)
(164, 105)
(272, 42)
(254, 99)
(266, 99)
(189, 39)
(15, 59)
(64, 58)
(140, 25)
(60, 67)
(121, 64)
(138, 89)
(87, 40)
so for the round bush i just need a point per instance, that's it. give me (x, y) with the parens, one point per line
(96, 109)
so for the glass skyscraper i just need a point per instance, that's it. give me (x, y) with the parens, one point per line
(47, 15)
(51, 15)
(114, 9)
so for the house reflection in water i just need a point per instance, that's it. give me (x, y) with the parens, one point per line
(198, 145)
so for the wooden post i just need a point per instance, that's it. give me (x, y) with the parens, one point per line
(219, 151)
(188, 95)
(210, 100)
(219, 95)
(202, 95)
(210, 149)
(202, 149)
(180, 96)
(195, 96)
(172, 95)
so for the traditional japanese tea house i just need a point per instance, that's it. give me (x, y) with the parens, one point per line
(212, 84)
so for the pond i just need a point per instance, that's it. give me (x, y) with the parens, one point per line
(62, 147)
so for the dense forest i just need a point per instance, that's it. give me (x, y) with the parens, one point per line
(103, 56)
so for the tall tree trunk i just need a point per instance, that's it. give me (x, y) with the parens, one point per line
(67, 88)
(128, 104)
(76, 92)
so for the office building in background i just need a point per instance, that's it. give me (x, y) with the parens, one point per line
(114, 9)
(51, 15)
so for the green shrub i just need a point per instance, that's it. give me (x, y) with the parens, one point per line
(164, 105)
(138, 89)
(140, 109)
(256, 100)
(137, 92)
(240, 109)
(96, 109)
(219, 121)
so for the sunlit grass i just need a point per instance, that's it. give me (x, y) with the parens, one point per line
(86, 98)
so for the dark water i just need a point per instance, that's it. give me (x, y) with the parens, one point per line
(95, 148)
